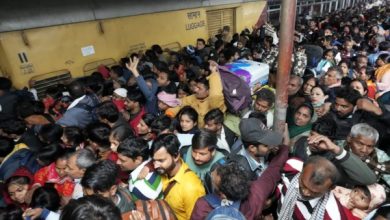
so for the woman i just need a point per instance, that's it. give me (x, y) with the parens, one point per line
(187, 120)
(17, 187)
(382, 75)
(301, 123)
(318, 97)
(144, 128)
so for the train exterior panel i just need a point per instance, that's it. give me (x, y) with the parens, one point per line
(47, 52)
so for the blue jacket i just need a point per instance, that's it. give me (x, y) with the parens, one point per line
(149, 93)
(80, 115)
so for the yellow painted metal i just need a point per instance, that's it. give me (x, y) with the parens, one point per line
(60, 47)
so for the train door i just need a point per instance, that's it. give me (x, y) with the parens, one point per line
(217, 19)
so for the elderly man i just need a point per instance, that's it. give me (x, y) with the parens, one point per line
(308, 194)
(76, 166)
(361, 141)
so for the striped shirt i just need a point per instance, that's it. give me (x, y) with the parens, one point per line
(148, 188)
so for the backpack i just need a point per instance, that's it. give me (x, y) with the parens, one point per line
(236, 91)
(90, 109)
(157, 209)
(223, 212)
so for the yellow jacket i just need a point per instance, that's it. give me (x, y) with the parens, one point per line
(183, 195)
(214, 100)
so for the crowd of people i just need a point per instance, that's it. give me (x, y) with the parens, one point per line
(157, 130)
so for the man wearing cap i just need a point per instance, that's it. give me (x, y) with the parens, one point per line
(258, 142)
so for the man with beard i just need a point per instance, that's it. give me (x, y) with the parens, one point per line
(181, 186)
(308, 195)
(203, 153)
(258, 144)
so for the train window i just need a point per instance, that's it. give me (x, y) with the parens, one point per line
(89, 68)
(217, 19)
(47, 80)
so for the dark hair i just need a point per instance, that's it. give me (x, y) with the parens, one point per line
(19, 180)
(190, 112)
(203, 139)
(51, 133)
(383, 211)
(214, 114)
(74, 135)
(384, 57)
(136, 95)
(364, 84)
(46, 197)
(122, 133)
(265, 95)
(157, 49)
(91, 207)
(325, 125)
(161, 123)
(6, 146)
(167, 141)
(11, 212)
(184, 87)
(201, 40)
(204, 81)
(5, 84)
(229, 52)
(235, 184)
(107, 110)
(161, 66)
(384, 45)
(118, 70)
(324, 169)
(13, 126)
(259, 115)
(99, 133)
(27, 108)
(133, 148)
(101, 176)
(49, 153)
(148, 119)
(365, 190)
(349, 94)
(76, 89)
(306, 105)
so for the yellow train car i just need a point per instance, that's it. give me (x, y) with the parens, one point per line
(71, 41)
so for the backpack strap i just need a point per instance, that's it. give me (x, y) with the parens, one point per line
(213, 200)
(172, 184)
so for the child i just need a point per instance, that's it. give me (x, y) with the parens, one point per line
(326, 62)
(361, 199)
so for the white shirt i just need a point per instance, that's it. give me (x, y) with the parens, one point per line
(222, 143)
(78, 189)
(75, 102)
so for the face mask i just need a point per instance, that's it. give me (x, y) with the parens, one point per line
(318, 104)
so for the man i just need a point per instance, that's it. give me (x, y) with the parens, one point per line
(79, 112)
(76, 166)
(231, 184)
(135, 108)
(213, 121)
(201, 50)
(208, 95)
(349, 108)
(354, 171)
(100, 178)
(264, 103)
(361, 141)
(308, 195)
(133, 155)
(202, 154)
(332, 80)
(8, 99)
(108, 113)
(258, 143)
(181, 186)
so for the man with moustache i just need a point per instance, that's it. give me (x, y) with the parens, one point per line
(181, 186)
(308, 195)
